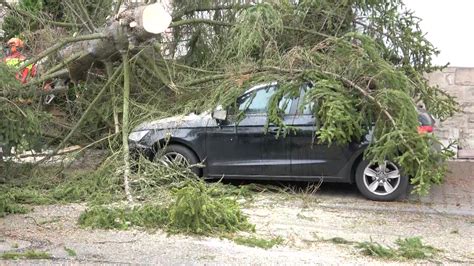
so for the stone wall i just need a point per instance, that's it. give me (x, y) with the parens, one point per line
(458, 82)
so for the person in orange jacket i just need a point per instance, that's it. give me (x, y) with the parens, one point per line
(15, 59)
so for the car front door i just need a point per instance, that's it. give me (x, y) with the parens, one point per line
(242, 147)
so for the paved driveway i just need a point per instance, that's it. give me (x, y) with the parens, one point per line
(456, 195)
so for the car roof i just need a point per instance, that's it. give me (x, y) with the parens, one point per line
(260, 86)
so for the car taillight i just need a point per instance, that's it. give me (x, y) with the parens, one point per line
(425, 129)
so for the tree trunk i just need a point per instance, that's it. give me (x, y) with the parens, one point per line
(140, 24)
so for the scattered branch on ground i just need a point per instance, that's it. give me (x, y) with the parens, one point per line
(258, 242)
(408, 248)
(28, 255)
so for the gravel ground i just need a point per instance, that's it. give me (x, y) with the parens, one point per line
(304, 221)
(445, 220)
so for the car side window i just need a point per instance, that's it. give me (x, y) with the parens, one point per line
(308, 109)
(257, 102)
(305, 108)
(285, 104)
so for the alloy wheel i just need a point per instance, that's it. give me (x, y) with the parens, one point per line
(381, 179)
(174, 158)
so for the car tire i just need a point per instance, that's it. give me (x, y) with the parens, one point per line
(385, 182)
(177, 153)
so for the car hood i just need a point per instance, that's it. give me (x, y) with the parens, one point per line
(182, 121)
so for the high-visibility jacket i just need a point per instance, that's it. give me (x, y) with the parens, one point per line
(15, 60)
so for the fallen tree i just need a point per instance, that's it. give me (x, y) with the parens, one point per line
(366, 60)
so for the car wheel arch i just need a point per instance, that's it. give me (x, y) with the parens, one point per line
(358, 159)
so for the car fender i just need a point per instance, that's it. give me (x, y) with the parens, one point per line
(188, 137)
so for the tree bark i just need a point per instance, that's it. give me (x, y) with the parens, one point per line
(125, 125)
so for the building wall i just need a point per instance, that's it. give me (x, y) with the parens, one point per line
(459, 83)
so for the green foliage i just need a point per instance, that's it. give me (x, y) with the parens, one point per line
(366, 77)
(377, 250)
(20, 128)
(70, 252)
(195, 211)
(153, 181)
(96, 186)
(31, 5)
(366, 60)
(32, 15)
(14, 23)
(265, 23)
(9, 81)
(192, 210)
(26, 186)
(28, 255)
(339, 118)
(413, 248)
(258, 242)
(408, 248)
(9, 206)
(122, 218)
(340, 241)
(28, 196)
(20, 125)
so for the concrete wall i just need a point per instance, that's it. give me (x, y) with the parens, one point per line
(458, 82)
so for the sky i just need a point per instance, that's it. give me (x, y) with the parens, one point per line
(450, 27)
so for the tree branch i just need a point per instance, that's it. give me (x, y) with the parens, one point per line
(382, 109)
(36, 18)
(59, 45)
(57, 74)
(85, 14)
(126, 124)
(227, 24)
(210, 8)
(64, 63)
(85, 114)
(308, 31)
(200, 20)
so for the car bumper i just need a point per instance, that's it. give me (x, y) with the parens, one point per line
(137, 150)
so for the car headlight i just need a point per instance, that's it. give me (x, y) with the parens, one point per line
(137, 135)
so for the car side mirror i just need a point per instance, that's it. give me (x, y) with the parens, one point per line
(220, 115)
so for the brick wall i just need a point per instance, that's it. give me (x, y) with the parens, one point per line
(458, 82)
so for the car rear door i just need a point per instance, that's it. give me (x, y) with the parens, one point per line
(308, 157)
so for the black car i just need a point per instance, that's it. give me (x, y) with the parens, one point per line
(240, 147)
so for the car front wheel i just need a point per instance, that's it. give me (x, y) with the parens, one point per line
(178, 155)
(382, 182)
